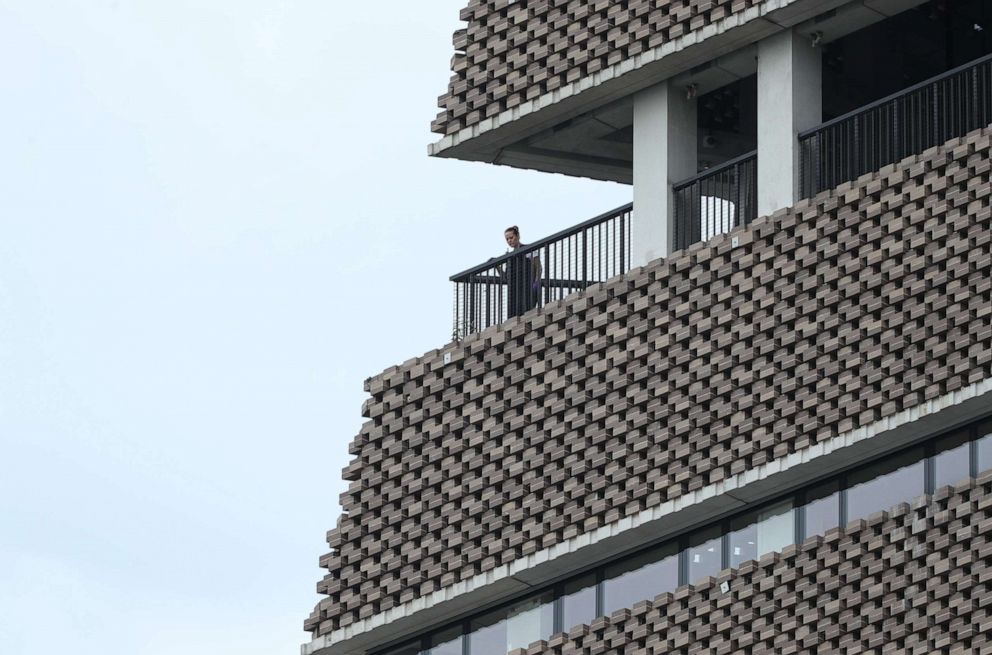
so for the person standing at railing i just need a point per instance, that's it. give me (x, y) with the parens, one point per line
(523, 275)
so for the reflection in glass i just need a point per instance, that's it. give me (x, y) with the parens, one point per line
(880, 486)
(513, 627)
(984, 446)
(951, 463)
(883, 485)
(822, 509)
(705, 554)
(753, 535)
(641, 577)
(530, 621)
(578, 603)
(488, 635)
(447, 642)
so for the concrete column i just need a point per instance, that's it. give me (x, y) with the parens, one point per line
(789, 101)
(664, 152)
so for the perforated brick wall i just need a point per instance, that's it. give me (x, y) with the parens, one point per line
(916, 581)
(842, 310)
(514, 51)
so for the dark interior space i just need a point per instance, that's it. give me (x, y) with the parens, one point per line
(728, 122)
(903, 50)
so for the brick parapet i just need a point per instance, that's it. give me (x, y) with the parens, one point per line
(833, 314)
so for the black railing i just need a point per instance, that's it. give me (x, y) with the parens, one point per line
(716, 201)
(905, 123)
(542, 272)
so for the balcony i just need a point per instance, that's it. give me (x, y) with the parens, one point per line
(542, 272)
(724, 197)
(716, 201)
(922, 116)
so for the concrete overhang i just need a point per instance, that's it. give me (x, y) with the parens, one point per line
(579, 129)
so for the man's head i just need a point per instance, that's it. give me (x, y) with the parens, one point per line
(512, 236)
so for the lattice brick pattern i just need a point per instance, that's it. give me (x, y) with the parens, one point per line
(917, 580)
(511, 52)
(847, 308)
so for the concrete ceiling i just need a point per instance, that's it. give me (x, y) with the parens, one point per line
(598, 142)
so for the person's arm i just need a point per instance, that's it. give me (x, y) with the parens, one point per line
(499, 268)
(537, 270)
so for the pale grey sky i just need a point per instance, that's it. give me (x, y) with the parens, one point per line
(217, 218)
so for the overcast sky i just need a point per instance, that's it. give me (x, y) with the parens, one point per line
(218, 218)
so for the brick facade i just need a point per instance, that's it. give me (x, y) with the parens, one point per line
(511, 52)
(913, 581)
(842, 310)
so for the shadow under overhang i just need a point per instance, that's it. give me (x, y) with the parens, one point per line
(590, 134)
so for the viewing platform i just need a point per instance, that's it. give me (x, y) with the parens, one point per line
(723, 197)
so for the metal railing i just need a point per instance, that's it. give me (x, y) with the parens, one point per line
(542, 272)
(716, 201)
(905, 123)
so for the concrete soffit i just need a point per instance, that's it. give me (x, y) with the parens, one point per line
(492, 139)
(484, 140)
(659, 523)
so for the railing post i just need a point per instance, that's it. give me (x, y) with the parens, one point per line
(472, 309)
(546, 269)
(973, 123)
(936, 121)
(622, 246)
(455, 315)
(585, 262)
(896, 141)
(738, 218)
(857, 152)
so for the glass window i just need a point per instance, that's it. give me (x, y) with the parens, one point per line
(951, 464)
(890, 482)
(705, 554)
(984, 446)
(872, 488)
(447, 642)
(578, 602)
(530, 621)
(641, 577)
(768, 530)
(822, 509)
(488, 635)
(512, 627)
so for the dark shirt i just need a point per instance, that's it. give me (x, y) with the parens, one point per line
(523, 286)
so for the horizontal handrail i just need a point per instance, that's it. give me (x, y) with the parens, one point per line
(714, 170)
(894, 96)
(905, 123)
(537, 245)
